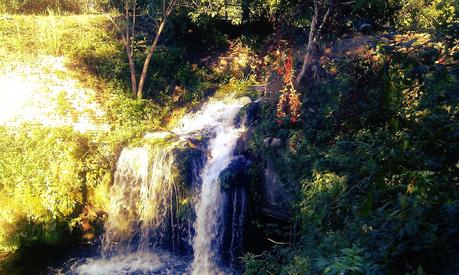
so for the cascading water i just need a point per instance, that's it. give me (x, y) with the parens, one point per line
(143, 198)
(138, 199)
(140, 202)
(209, 209)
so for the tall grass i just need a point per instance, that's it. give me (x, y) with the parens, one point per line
(43, 6)
(71, 36)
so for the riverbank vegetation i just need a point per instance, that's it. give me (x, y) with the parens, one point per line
(366, 140)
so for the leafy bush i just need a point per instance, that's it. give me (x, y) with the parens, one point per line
(427, 16)
(376, 157)
(47, 176)
(377, 11)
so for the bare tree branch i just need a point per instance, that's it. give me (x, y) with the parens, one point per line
(314, 34)
(127, 33)
(173, 4)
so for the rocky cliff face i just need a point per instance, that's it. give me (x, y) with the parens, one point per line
(259, 198)
(271, 191)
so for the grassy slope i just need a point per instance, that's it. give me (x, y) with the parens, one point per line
(49, 174)
(94, 60)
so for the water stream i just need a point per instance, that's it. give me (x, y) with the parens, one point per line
(209, 209)
(142, 229)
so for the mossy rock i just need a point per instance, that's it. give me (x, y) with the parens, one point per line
(189, 164)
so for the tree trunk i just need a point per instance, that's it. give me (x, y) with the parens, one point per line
(128, 41)
(314, 34)
(132, 71)
(245, 11)
(312, 45)
(150, 55)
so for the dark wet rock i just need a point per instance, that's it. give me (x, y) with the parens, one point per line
(235, 181)
(274, 193)
(420, 69)
(429, 55)
(238, 120)
(174, 234)
(364, 26)
(235, 174)
(190, 162)
(267, 141)
(272, 142)
(234, 228)
(242, 145)
(276, 142)
(252, 112)
(248, 115)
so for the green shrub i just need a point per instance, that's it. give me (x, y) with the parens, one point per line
(427, 16)
(39, 180)
(376, 157)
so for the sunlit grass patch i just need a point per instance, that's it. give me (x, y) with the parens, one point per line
(39, 56)
(45, 92)
(50, 35)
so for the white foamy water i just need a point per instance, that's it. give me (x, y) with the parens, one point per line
(139, 198)
(214, 114)
(157, 262)
(209, 209)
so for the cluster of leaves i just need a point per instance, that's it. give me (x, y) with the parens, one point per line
(47, 176)
(379, 12)
(427, 16)
(229, 10)
(287, 12)
(378, 166)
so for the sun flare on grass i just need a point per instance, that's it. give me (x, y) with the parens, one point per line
(45, 93)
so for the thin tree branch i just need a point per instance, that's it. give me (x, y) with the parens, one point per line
(133, 26)
(324, 21)
(126, 17)
(117, 27)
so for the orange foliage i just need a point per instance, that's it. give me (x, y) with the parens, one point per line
(289, 104)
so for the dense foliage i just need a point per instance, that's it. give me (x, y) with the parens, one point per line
(48, 176)
(374, 161)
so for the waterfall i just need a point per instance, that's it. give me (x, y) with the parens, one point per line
(139, 199)
(209, 208)
(144, 202)
(141, 204)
